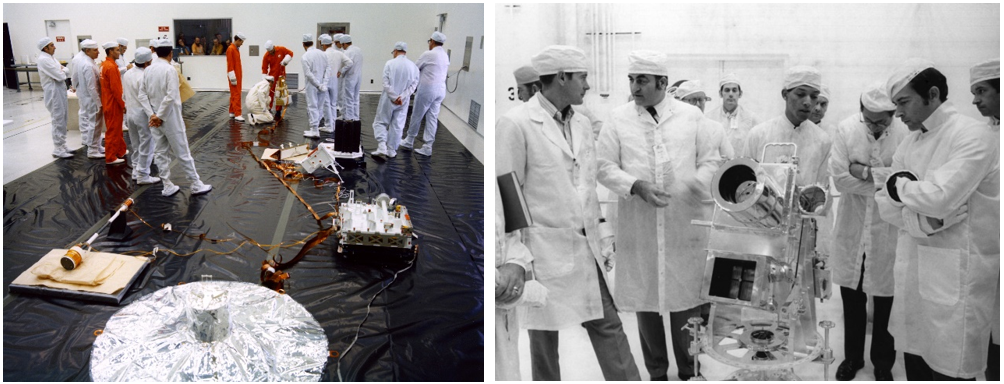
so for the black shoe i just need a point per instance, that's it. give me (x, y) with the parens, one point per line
(883, 374)
(660, 378)
(848, 369)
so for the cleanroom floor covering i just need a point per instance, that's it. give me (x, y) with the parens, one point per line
(427, 326)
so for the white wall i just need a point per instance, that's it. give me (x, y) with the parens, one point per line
(852, 45)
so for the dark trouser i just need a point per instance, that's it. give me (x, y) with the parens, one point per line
(918, 370)
(607, 336)
(883, 353)
(653, 341)
(994, 362)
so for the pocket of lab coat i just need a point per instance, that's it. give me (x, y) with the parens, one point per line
(554, 250)
(939, 274)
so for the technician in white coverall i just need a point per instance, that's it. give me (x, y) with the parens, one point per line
(121, 61)
(257, 102)
(654, 155)
(84, 78)
(161, 86)
(400, 78)
(433, 65)
(692, 92)
(137, 118)
(317, 72)
(339, 64)
(948, 212)
(734, 118)
(52, 75)
(353, 77)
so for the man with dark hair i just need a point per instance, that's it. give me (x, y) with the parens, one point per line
(985, 84)
(864, 246)
(657, 157)
(527, 82)
(235, 74)
(84, 77)
(550, 148)
(945, 198)
(819, 111)
(112, 104)
(161, 88)
(734, 118)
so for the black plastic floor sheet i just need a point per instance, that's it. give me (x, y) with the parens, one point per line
(427, 326)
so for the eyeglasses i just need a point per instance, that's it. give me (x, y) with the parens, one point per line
(697, 99)
(874, 124)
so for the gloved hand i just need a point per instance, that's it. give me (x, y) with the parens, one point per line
(651, 194)
(880, 175)
(233, 77)
(286, 60)
(931, 225)
(324, 88)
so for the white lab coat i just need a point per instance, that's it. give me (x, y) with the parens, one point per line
(317, 71)
(859, 228)
(995, 126)
(660, 254)
(257, 103)
(400, 78)
(508, 250)
(137, 118)
(945, 282)
(339, 64)
(53, 79)
(813, 147)
(122, 64)
(737, 125)
(352, 78)
(717, 135)
(432, 65)
(559, 184)
(161, 86)
(84, 77)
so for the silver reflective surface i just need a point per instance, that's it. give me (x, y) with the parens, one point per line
(211, 331)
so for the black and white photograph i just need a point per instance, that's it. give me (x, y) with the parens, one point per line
(747, 192)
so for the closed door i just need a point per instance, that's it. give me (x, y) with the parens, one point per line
(60, 30)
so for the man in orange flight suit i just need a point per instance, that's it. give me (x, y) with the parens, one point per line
(273, 65)
(234, 74)
(112, 104)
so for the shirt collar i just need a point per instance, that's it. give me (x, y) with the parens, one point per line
(659, 108)
(994, 122)
(939, 117)
(553, 111)
(786, 124)
(733, 114)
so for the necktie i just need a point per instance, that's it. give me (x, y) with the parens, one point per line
(655, 115)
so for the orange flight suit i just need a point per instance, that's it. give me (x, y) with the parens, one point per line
(113, 108)
(271, 65)
(234, 64)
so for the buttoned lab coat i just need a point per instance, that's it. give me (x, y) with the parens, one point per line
(559, 184)
(859, 228)
(945, 282)
(736, 128)
(660, 254)
(813, 147)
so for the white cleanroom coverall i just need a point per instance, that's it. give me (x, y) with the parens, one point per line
(257, 103)
(84, 77)
(316, 71)
(995, 125)
(53, 79)
(400, 78)
(352, 79)
(508, 250)
(736, 124)
(161, 85)
(137, 117)
(718, 135)
(945, 282)
(339, 63)
(813, 147)
(661, 255)
(433, 65)
(859, 229)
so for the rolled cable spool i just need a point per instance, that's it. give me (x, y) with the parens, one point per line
(76, 255)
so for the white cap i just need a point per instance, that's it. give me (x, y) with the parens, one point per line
(110, 44)
(308, 37)
(876, 99)
(688, 88)
(345, 39)
(526, 74)
(990, 69)
(648, 62)
(401, 46)
(240, 35)
(160, 43)
(122, 41)
(143, 55)
(337, 37)
(43, 42)
(906, 72)
(559, 58)
(325, 39)
(88, 43)
(803, 75)
(824, 92)
(729, 79)
(269, 46)
(438, 37)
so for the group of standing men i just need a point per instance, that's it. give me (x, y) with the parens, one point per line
(333, 75)
(918, 220)
(143, 95)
